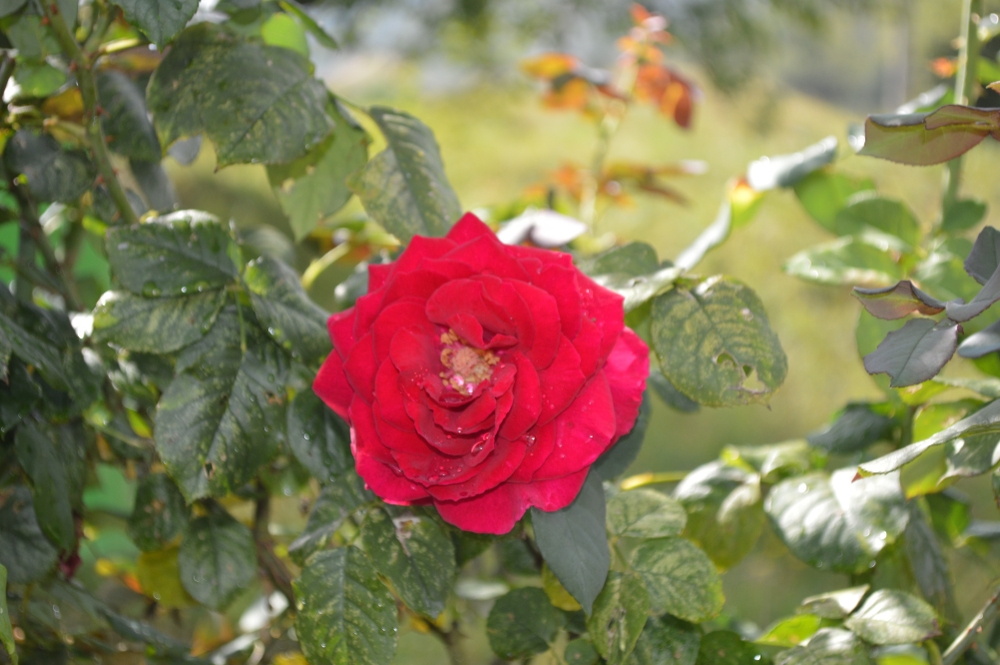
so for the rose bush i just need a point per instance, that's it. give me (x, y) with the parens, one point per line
(482, 377)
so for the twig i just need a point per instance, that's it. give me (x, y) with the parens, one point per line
(969, 634)
(965, 81)
(272, 564)
(92, 119)
(450, 640)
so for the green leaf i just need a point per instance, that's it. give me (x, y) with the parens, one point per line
(314, 28)
(896, 302)
(680, 578)
(346, 615)
(644, 514)
(160, 20)
(319, 439)
(314, 187)
(962, 214)
(774, 461)
(979, 344)
(835, 522)
(922, 139)
(929, 565)
(342, 495)
(217, 559)
(829, 646)
(37, 80)
(633, 259)
(8, 7)
(856, 427)
(849, 260)
(984, 258)
(125, 120)
(578, 652)
(824, 193)
(725, 516)
(942, 274)
(415, 554)
(914, 353)
(574, 543)
(24, 550)
(834, 604)
(522, 623)
(154, 184)
(256, 103)
(668, 392)
(614, 461)
(787, 170)
(292, 320)
(223, 415)
(723, 647)
(715, 344)
(155, 325)
(6, 631)
(284, 31)
(620, 613)
(55, 460)
(885, 215)
(404, 187)
(890, 616)
(791, 631)
(53, 174)
(666, 639)
(160, 514)
(195, 246)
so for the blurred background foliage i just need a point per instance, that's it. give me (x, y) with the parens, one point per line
(775, 75)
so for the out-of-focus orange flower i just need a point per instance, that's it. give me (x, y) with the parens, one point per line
(669, 91)
(944, 67)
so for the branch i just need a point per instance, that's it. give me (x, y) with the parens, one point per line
(92, 121)
(450, 640)
(969, 634)
(272, 564)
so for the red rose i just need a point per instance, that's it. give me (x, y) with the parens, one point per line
(482, 377)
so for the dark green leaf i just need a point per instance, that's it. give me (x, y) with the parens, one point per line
(666, 640)
(125, 120)
(404, 187)
(787, 170)
(856, 428)
(346, 615)
(470, 545)
(723, 647)
(319, 439)
(53, 174)
(680, 578)
(644, 514)
(824, 193)
(6, 630)
(849, 260)
(159, 515)
(217, 559)
(890, 616)
(928, 563)
(55, 460)
(314, 186)
(285, 311)
(620, 613)
(922, 139)
(835, 522)
(522, 623)
(155, 185)
(896, 302)
(415, 554)
(829, 646)
(633, 259)
(37, 80)
(614, 461)
(984, 258)
(24, 550)
(223, 416)
(834, 604)
(724, 511)
(574, 542)
(981, 343)
(194, 245)
(961, 215)
(256, 103)
(517, 558)
(160, 20)
(578, 652)
(715, 344)
(321, 35)
(8, 7)
(19, 393)
(155, 325)
(342, 495)
(669, 394)
(885, 215)
(914, 353)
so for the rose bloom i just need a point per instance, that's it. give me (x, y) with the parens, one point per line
(482, 378)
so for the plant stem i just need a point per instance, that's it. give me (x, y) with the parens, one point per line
(968, 635)
(26, 260)
(644, 479)
(965, 83)
(92, 120)
(272, 564)
(449, 639)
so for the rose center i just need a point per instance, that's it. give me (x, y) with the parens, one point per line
(465, 367)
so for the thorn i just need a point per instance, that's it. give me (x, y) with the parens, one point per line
(99, 180)
(99, 110)
(45, 21)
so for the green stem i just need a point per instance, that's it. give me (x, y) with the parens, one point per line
(965, 83)
(92, 120)
(450, 640)
(969, 634)
(26, 262)
(644, 479)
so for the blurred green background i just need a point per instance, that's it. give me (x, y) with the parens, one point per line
(775, 78)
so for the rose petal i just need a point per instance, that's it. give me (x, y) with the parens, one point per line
(467, 296)
(588, 344)
(467, 228)
(626, 370)
(422, 248)
(495, 469)
(332, 387)
(385, 479)
(416, 284)
(544, 256)
(378, 273)
(583, 431)
(360, 367)
(604, 308)
(414, 352)
(555, 494)
(408, 312)
(561, 282)
(389, 398)
(544, 313)
(541, 441)
(341, 329)
(560, 381)
(527, 399)
(488, 256)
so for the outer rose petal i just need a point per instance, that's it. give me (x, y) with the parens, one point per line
(378, 273)
(341, 329)
(468, 227)
(332, 387)
(498, 510)
(369, 455)
(626, 369)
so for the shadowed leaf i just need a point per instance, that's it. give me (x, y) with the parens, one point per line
(895, 302)
(914, 353)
